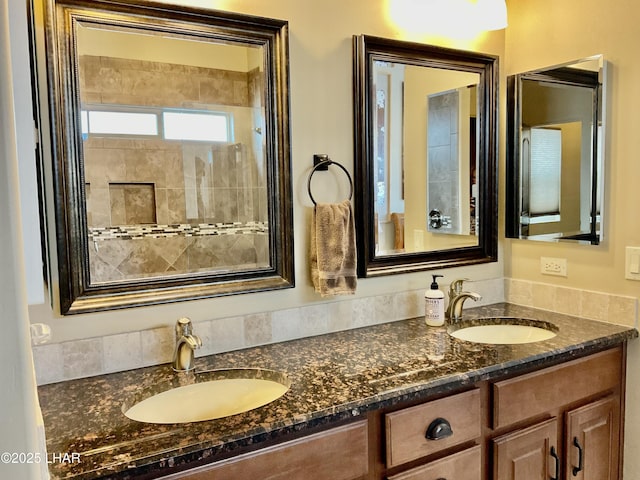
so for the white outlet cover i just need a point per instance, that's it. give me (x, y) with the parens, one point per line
(553, 266)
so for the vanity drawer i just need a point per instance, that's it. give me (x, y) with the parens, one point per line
(535, 393)
(337, 454)
(406, 430)
(465, 465)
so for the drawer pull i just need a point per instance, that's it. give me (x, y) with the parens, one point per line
(438, 429)
(555, 456)
(577, 469)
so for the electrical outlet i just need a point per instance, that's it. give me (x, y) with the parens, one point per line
(553, 266)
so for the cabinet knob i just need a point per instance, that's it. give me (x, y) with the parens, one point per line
(438, 429)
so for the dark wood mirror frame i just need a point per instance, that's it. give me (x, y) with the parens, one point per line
(69, 243)
(366, 49)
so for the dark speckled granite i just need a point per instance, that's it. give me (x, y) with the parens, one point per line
(333, 377)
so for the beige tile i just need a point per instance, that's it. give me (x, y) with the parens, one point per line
(544, 296)
(623, 310)
(204, 332)
(340, 315)
(48, 363)
(568, 301)
(314, 319)
(122, 352)
(520, 292)
(594, 305)
(158, 345)
(384, 311)
(82, 358)
(227, 334)
(257, 329)
(492, 290)
(285, 325)
(363, 312)
(408, 304)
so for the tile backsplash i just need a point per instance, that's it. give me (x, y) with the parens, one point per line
(95, 356)
(593, 305)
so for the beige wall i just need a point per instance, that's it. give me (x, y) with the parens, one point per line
(419, 84)
(321, 122)
(548, 32)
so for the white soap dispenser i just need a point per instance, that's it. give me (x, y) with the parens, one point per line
(434, 304)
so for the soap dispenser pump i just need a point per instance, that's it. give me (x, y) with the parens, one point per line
(434, 304)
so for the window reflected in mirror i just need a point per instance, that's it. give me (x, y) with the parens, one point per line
(555, 152)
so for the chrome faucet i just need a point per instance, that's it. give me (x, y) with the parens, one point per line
(186, 344)
(457, 298)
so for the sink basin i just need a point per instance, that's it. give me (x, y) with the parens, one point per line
(207, 396)
(503, 331)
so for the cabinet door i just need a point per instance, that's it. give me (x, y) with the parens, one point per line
(592, 442)
(527, 454)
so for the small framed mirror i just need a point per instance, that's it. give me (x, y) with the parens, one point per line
(170, 145)
(555, 152)
(425, 150)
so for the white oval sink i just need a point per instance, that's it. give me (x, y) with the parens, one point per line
(504, 331)
(214, 394)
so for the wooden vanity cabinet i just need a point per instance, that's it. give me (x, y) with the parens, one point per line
(581, 439)
(591, 446)
(557, 423)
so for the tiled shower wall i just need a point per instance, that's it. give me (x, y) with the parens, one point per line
(169, 182)
(95, 356)
(444, 172)
(142, 181)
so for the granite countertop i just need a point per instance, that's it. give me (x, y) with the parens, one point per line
(333, 377)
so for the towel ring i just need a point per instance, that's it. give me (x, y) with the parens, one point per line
(323, 165)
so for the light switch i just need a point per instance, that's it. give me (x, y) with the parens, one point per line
(632, 263)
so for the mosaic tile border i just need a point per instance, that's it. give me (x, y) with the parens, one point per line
(132, 232)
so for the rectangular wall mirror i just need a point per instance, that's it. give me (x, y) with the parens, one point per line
(170, 142)
(555, 152)
(425, 137)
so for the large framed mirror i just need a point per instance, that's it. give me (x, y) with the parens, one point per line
(555, 152)
(170, 153)
(425, 152)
